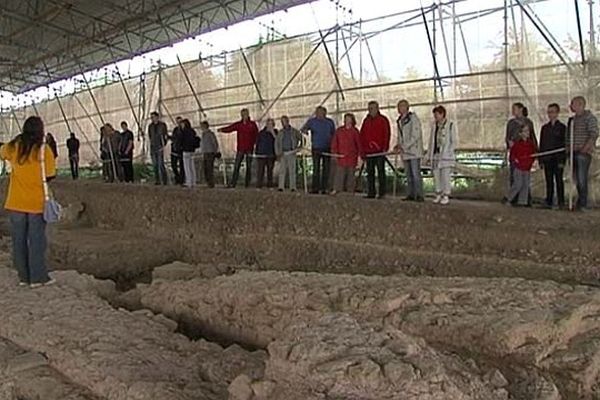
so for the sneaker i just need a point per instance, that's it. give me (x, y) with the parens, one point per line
(445, 201)
(369, 196)
(49, 282)
(409, 198)
(438, 199)
(333, 192)
(280, 190)
(22, 284)
(420, 200)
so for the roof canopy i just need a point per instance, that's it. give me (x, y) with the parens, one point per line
(42, 41)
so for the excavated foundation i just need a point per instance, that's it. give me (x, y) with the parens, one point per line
(168, 293)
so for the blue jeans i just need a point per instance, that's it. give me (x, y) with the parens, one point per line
(160, 171)
(412, 169)
(581, 170)
(28, 233)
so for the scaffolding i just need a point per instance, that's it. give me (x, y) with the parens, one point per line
(338, 68)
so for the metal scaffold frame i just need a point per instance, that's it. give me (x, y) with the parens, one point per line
(441, 23)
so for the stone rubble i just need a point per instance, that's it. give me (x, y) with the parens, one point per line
(521, 325)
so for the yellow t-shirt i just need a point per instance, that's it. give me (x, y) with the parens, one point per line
(26, 190)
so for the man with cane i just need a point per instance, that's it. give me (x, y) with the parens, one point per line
(583, 133)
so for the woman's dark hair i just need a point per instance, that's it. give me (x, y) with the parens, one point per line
(350, 115)
(186, 124)
(440, 110)
(32, 137)
(522, 107)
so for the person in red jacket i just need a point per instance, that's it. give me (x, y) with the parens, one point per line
(521, 156)
(374, 143)
(247, 133)
(346, 145)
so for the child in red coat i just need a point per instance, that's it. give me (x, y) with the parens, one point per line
(521, 154)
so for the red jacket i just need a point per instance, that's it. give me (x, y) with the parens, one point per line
(520, 154)
(347, 143)
(247, 133)
(375, 135)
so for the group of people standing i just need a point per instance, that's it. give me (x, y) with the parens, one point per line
(346, 145)
(559, 143)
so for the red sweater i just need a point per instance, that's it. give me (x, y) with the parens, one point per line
(347, 143)
(520, 154)
(247, 133)
(375, 135)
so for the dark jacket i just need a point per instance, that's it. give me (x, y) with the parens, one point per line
(553, 137)
(126, 140)
(73, 147)
(265, 145)
(176, 141)
(189, 140)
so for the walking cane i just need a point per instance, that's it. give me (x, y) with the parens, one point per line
(571, 161)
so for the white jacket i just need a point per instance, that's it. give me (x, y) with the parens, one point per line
(447, 142)
(410, 137)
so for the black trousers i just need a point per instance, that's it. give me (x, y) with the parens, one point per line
(208, 165)
(74, 163)
(376, 163)
(239, 157)
(321, 164)
(127, 167)
(554, 171)
(177, 167)
(262, 165)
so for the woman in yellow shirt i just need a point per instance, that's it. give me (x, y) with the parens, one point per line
(25, 201)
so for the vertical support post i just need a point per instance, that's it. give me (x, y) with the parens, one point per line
(592, 31)
(506, 59)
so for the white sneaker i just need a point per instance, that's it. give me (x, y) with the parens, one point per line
(445, 201)
(438, 199)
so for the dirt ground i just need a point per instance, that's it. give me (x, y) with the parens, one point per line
(329, 298)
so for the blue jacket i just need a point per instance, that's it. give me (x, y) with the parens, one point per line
(322, 132)
(265, 145)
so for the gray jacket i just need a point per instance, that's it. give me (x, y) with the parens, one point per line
(296, 140)
(410, 136)
(447, 142)
(209, 143)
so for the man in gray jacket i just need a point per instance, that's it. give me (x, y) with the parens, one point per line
(410, 146)
(157, 133)
(287, 142)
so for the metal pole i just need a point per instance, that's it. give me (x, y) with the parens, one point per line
(334, 66)
(580, 32)
(432, 51)
(571, 161)
(592, 31)
(300, 68)
(189, 82)
(251, 73)
(506, 58)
